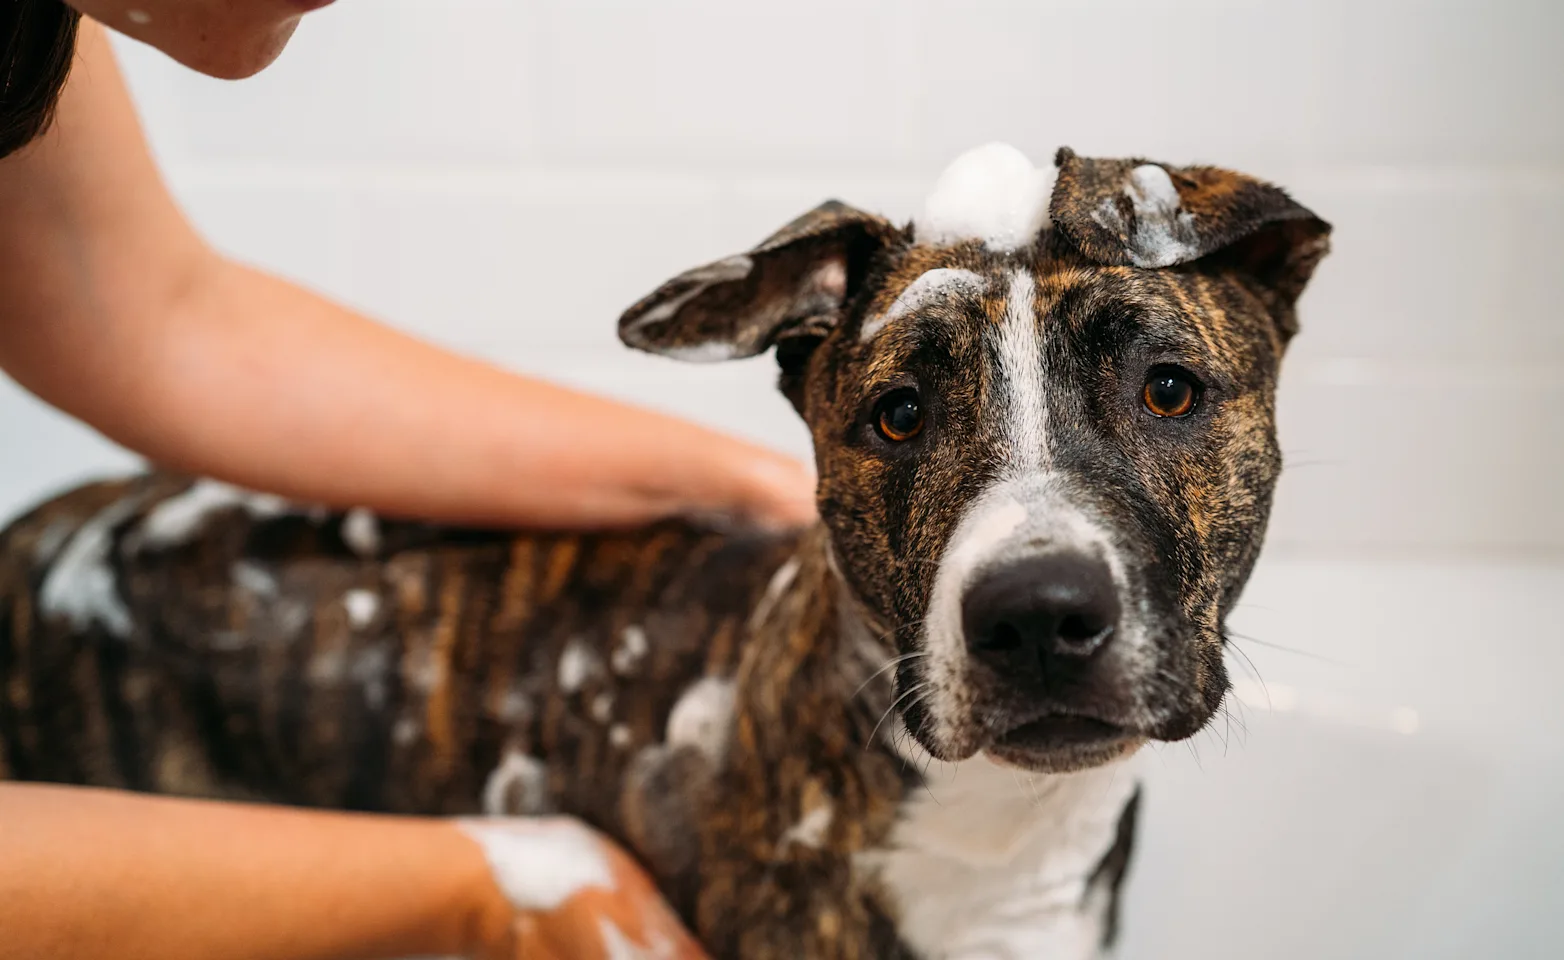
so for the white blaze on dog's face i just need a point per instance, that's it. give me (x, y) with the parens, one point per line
(1043, 426)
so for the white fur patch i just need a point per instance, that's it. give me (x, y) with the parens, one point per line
(991, 193)
(80, 586)
(180, 518)
(1164, 233)
(932, 286)
(361, 606)
(1025, 409)
(361, 532)
(518, 786)
(702, 716)
(994, 862)
(540, 865)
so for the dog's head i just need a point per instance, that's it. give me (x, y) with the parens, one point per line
(1043, 423)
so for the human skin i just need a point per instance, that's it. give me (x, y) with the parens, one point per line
(93, 873)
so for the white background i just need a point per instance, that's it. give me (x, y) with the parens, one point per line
(505, 177)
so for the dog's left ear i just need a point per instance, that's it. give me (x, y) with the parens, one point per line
(1144, 214)
(794, 285)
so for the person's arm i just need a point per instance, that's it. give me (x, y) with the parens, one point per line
(86, 874)
(114, 310)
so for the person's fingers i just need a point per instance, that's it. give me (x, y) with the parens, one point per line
(530, 942)
(612, 911)
(779, 491)
(629, 920)
(664, 927)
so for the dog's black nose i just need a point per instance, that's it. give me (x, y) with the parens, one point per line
(1042, 618)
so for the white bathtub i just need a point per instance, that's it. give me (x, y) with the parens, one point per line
(1402, 795)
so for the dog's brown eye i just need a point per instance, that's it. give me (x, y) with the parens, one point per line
(899, 416)
(1170, 392)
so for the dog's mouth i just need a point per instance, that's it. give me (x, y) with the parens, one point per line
(1062, 741)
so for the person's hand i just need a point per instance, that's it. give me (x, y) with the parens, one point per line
(564, 892)
(769, 488)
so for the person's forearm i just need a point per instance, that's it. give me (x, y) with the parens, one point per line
(263, 384)
(90, 874)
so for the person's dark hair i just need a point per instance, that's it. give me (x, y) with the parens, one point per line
(37, 44)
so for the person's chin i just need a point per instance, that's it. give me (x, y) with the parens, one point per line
(238, 58)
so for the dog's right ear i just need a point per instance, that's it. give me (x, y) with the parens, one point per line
(794, 285)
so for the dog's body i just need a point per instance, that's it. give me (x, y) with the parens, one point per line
(1021, 576)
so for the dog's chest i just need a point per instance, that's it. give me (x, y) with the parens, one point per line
(994, 863)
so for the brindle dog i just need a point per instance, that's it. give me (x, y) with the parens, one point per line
(1043, 421)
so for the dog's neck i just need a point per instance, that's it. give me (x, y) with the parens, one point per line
(973, 858)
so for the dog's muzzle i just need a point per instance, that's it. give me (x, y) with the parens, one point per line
(1039, 634)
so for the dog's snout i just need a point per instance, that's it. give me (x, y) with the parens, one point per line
(1042, 617)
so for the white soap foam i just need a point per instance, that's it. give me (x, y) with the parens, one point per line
(991, 193)
(539, 865)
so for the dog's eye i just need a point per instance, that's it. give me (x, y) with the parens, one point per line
(898, 416)
(1170, 392)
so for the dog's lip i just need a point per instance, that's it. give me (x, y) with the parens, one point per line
(1059, 732)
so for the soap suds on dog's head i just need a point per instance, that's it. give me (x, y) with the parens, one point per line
(1163, 232)
(931, 286)
(992, 193)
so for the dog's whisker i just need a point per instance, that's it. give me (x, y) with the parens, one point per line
(889, 665)
(1235, 635)
(1253, 670)
(1195, 752)
(911, 691)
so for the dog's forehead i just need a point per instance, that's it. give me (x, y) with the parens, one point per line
(984, 224)
(928, 281)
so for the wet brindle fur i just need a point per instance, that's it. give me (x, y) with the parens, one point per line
(230, 646)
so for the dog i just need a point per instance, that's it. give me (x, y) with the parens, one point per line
(1043, 422)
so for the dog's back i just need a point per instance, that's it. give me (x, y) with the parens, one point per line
(185, 637)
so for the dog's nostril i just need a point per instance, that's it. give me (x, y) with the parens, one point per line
(1082, 634)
